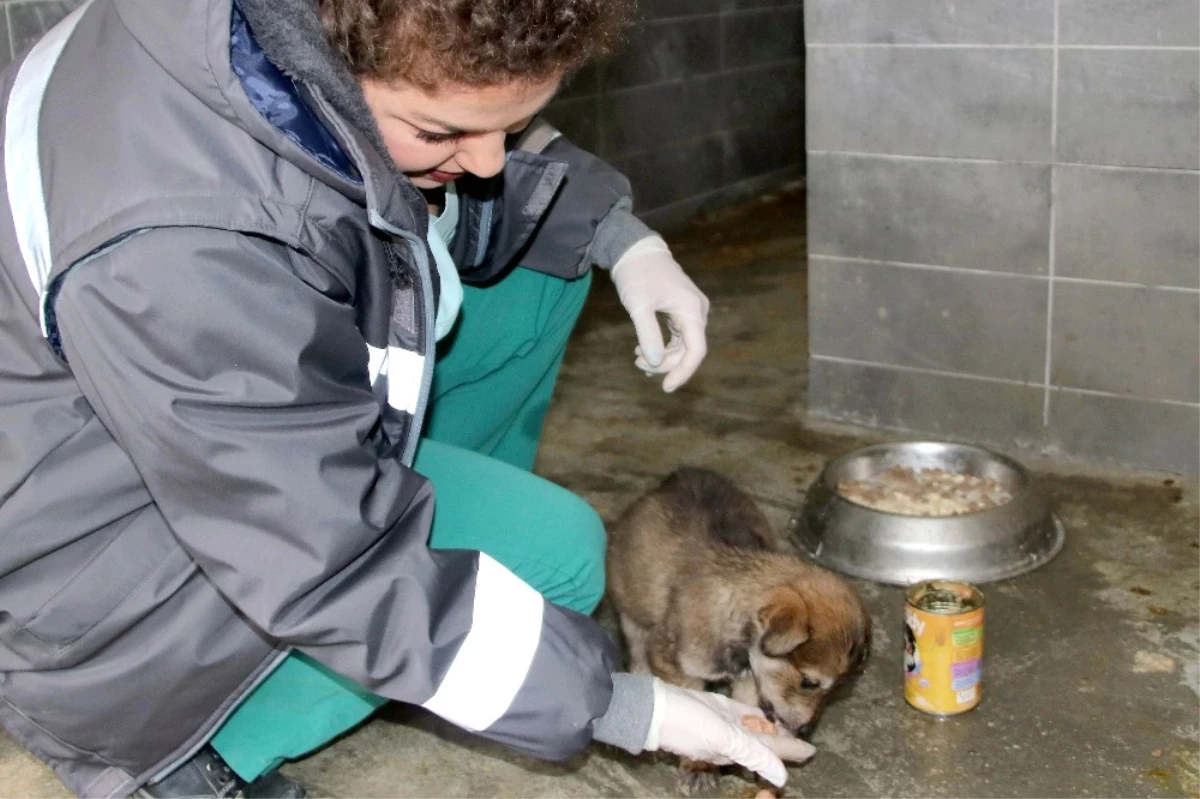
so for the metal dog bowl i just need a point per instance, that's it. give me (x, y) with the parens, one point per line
(977, 547)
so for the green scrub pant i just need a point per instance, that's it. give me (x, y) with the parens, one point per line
(491, 389)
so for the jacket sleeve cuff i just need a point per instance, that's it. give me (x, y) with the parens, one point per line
(616, 233)
(626, 723)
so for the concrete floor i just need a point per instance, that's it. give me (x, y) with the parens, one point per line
(1092, 670)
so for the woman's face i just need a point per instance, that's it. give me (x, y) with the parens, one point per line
(436, 137)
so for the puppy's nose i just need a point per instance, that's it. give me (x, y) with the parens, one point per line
(768, 710)
(805, 730)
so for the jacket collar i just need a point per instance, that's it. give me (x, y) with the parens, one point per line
(291, 35)
(278, 99)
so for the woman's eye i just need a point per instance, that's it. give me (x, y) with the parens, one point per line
(808, 683)
(436, 138)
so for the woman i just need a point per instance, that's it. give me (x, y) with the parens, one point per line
(221, 294)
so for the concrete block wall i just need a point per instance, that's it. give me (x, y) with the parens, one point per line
(22, 22)
(1004, 222)
(703, 106)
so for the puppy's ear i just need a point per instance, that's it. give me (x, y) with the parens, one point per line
(782, 622)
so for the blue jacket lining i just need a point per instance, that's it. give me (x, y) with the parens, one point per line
(276, 97)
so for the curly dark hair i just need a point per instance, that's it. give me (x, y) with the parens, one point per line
(476, 43)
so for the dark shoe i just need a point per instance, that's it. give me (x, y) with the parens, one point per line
(274, 785)
(207, 776)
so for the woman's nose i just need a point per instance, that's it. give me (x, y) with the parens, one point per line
(482, 155)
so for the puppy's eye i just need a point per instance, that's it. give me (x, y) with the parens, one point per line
(809, 684)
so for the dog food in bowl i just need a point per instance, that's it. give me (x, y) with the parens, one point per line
(925, 492)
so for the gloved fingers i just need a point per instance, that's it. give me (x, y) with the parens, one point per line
(695, 347)
(672, 355)
(715, 759)
(697, 305)
(784, 744)
(786, 747)
(753, 753)
(742, 709)
(649, 334)
(720, 704)
(680, 359)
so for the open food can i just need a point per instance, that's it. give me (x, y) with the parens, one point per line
(943, 646)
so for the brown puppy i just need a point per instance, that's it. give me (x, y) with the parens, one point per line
(704, 598)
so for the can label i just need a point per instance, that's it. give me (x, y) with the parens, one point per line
(943, 647)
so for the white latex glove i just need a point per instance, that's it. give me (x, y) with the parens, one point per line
(708, 727)
(650, 282)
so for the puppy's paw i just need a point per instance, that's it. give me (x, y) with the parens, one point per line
(693, 777)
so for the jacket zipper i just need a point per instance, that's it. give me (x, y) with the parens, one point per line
(417, 246)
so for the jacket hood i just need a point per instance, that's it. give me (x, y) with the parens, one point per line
(290, 34)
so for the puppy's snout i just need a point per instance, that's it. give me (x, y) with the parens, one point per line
(768, 710)
(805, 730)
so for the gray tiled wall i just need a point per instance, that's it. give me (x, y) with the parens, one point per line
(703, 106)
(1004, 222)
(26, 20)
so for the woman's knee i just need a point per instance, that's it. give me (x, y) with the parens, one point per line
(596, 543)
(550, 537)
(582, 551)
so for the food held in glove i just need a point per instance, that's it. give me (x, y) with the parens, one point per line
(925, 492)
(764, 726)
(759, 724)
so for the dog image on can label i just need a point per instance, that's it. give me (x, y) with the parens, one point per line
(943, 647)
(912, 657)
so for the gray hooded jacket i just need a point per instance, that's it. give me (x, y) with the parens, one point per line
(215, 353)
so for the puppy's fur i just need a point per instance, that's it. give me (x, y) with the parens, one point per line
(703, 598)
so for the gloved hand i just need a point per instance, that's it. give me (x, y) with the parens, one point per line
(706, 726)
(649, 282)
